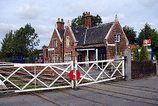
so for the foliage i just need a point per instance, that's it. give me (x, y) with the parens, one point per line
(7, 44)
(144, 34)
(21, 41)
(120, 50)
(135, 57)
(130, 33)
(148, 33)
(80, 20)
(143, 54)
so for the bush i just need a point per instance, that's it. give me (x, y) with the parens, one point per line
(143, 54)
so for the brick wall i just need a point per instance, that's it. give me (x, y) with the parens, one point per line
(121, 46)
(71, 48)
(59, 47)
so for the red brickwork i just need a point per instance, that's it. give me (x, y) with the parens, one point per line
(60, 24)
(88, 20)
(58, 50)
(121, 46)
(61, 50)
(71, 48)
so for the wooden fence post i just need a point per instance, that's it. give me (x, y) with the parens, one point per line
(127, 54)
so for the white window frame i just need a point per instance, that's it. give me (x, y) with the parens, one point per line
(54, 56)
(67, 41)
(54, 43)
(67, 57)
(117, 38)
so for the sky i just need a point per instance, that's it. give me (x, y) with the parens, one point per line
(43, 14)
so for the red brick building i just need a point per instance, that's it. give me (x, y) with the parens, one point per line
(86, 43)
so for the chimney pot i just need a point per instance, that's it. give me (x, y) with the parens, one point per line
(60, 24)
(86, 13)
(88, 19)
(61, 20)
(58, 19)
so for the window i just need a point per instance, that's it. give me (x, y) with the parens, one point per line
(54, 58)
(67, 57)
(67, 41)
(117, 38)
(54, 43)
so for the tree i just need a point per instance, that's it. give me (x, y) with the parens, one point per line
(7, 47)
(24, 39)
(144, 34)
(148, 33)
(80, 20)
(20, 42)
(130, 33)
(143, 54)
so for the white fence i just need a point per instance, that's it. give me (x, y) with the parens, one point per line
(34, 77)
(99, 71)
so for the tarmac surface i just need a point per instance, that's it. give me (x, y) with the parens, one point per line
(142, 92)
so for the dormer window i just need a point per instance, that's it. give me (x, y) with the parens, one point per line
(117, 38)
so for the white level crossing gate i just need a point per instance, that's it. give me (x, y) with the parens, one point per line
(34, 77)
(99, 71)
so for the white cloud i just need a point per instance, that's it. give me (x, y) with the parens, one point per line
(148, 3)
(5, 28)
(44, 14)
(43, 31)
(27, 12)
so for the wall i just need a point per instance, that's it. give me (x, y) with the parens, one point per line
(71, 48)
(121, 46)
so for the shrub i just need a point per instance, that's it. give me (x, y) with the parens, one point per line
(143, 54)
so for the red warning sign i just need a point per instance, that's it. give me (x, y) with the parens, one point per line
(71, 75)
(77, 75)
(46, 58)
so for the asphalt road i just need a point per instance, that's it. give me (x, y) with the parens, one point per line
(142, 92)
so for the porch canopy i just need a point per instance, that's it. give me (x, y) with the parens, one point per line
(98, 50)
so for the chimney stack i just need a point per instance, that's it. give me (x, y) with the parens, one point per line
(60, 24)
(88, 19)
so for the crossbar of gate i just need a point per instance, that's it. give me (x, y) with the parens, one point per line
(56, 68)
(99, 71)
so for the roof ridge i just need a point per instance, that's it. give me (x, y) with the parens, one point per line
(100, 25)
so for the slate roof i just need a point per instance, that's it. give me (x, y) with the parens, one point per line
(93, 35)
(79, 34)
(61, 32)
